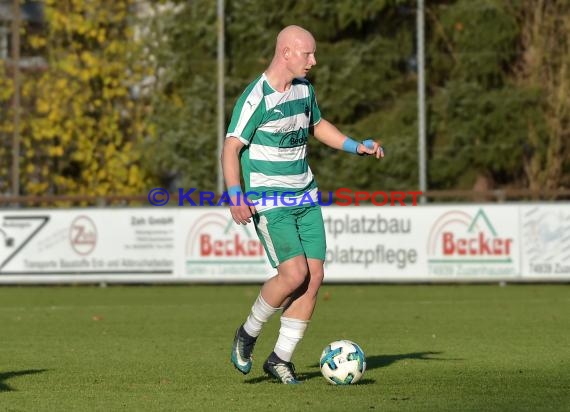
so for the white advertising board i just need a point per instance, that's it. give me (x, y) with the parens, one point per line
(473, 243)
(452, 243)
(433, 243)
(373, 243)
(545, 235)
(86, 245)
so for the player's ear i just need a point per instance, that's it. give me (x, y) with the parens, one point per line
(286, 52)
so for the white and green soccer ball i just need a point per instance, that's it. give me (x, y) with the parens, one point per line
(342, 362)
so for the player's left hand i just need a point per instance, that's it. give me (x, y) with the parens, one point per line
(372, 148)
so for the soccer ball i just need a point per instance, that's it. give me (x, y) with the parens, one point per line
(342, 362)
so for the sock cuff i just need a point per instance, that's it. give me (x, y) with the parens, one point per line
(294, 322)
(293, 328)
(266, 306)
(260, 313)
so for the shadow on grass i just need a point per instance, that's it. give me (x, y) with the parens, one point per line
(4, 387)
(381, 361)
(372, 362)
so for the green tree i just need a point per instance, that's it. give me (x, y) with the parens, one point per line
(363, 47)
(544, 65)
(181, 49)
(366, 84)
(477, 114)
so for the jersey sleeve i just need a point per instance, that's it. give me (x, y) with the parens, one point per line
(315, 111)
(246, 118)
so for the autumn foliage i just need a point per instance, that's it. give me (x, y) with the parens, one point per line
(81, 127)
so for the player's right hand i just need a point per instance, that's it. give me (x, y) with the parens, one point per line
(241, 213)
(372, 148)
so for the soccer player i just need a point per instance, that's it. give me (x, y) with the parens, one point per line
(267, 141)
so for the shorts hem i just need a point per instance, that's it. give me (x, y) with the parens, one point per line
(290, 256)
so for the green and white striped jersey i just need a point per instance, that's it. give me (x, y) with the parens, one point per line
(274, 126)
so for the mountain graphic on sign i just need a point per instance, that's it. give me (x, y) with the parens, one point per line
(481, 215)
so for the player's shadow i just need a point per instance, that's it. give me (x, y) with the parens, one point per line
(4, 376)
(372, 362)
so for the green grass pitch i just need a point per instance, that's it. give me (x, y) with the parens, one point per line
(433, 348)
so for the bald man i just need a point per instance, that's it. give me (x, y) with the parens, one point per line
(267, 141)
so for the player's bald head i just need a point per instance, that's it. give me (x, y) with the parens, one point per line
(294, 57)
(292, 35)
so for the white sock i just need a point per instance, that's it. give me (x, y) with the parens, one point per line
(291, 332)
(260, 313)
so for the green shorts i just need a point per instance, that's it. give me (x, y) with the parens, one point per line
(286, 232)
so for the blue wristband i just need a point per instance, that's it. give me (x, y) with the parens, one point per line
(234, 190)
(350, 145)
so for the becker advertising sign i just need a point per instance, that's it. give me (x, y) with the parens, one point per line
(473, 242)
(216, 245)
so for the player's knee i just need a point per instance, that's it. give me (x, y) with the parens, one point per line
(295, 276)
(294, 273)
(298, 278)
